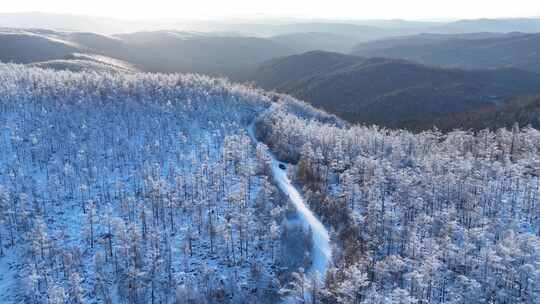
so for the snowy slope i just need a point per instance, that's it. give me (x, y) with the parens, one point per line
(134, 188)
(321, 252)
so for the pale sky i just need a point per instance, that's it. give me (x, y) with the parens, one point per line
(331, 9)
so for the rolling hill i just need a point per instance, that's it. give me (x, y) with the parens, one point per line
(159, 51)
(470, 51)
(524, 111)
(502, 25)
(86, 62)
(311, 41)
(22, 46)
(390, 92)
(171, 51)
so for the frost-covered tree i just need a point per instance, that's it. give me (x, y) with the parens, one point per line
(424, 218)
(117, 186)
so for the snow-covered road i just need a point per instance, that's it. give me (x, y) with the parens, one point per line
(321, 252)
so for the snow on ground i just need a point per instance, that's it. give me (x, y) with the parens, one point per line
(8, 276)
(179, 149)
(321, 252)
(321, 241)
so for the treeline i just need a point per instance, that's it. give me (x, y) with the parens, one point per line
(425, 218)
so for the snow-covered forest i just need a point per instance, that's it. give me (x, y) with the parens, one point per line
(137, 189)
(147, 188)
(425, 218)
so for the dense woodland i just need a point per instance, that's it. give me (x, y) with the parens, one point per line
(137, 189)
(426, 218)
(146, 188)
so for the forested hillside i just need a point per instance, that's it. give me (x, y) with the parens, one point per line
(154, 51)
(470, 51)
(390, 92)
(173, 52)
(150, 188)
(22, 46)
(523, 111)
(426, 218)
(119, 188)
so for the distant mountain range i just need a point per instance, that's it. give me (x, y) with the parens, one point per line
(159, 51)
(471, 51)
(66, 22)
(501, 25)
(355, 29)
(310, 41)
(390, 92)
(393, 74)
(368, 29)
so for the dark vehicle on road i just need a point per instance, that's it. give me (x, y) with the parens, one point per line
(282, 166)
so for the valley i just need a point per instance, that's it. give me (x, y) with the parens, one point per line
(394, 93)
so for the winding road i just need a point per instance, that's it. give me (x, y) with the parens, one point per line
(321, 252)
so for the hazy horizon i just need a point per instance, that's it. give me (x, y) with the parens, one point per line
(415, 10)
